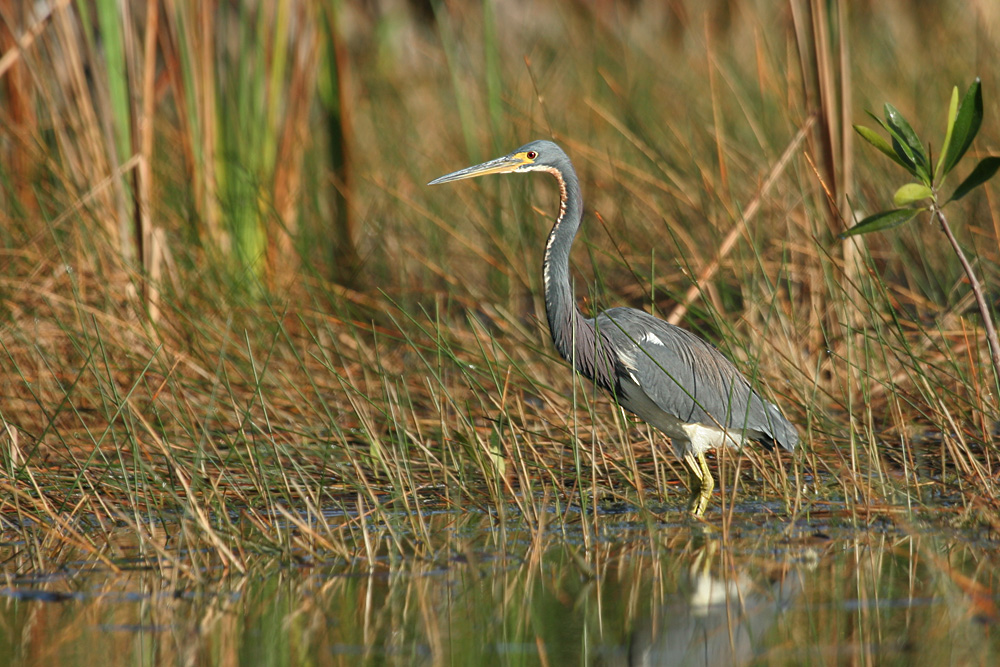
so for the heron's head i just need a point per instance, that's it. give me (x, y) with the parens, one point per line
(534, 156)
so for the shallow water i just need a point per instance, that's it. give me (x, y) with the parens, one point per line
(635, 591)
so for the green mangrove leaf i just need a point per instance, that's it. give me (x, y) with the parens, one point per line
(881, 221)
(967, 122)
(876, 140)
(905, 135)
(906, 161)
(911, 192)
(905, 139)
(983, 172)
(952, 113)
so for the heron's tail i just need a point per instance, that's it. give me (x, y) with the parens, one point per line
(781, 430)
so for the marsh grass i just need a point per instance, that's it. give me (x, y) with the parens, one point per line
(312, 420)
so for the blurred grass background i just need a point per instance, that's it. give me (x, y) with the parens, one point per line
(223, 283)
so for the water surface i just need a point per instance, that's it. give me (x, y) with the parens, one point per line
(630, 590)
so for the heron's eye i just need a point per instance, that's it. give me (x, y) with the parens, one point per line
(532, 155)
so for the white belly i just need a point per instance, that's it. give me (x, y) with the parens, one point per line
(686, 438)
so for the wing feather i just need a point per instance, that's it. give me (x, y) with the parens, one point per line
(689, 379)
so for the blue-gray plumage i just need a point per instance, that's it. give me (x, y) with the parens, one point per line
(664, 374)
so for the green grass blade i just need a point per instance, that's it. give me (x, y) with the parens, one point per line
(110, 24)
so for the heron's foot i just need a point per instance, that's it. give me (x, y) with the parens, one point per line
(701, 497)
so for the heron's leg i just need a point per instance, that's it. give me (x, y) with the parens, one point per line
(702, 565)
(702, 483)
(704, 495)
(697, 482)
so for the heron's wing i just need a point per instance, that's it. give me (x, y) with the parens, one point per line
(688, 378)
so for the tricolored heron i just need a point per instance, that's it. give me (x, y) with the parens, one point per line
(664, 374)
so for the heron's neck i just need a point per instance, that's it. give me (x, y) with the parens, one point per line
(565, 318)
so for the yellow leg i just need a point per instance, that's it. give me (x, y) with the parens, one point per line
(701, 493)
(695, 480)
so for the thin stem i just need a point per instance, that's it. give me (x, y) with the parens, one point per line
(991, 332)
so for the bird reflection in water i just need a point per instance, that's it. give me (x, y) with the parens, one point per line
(712, 620)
